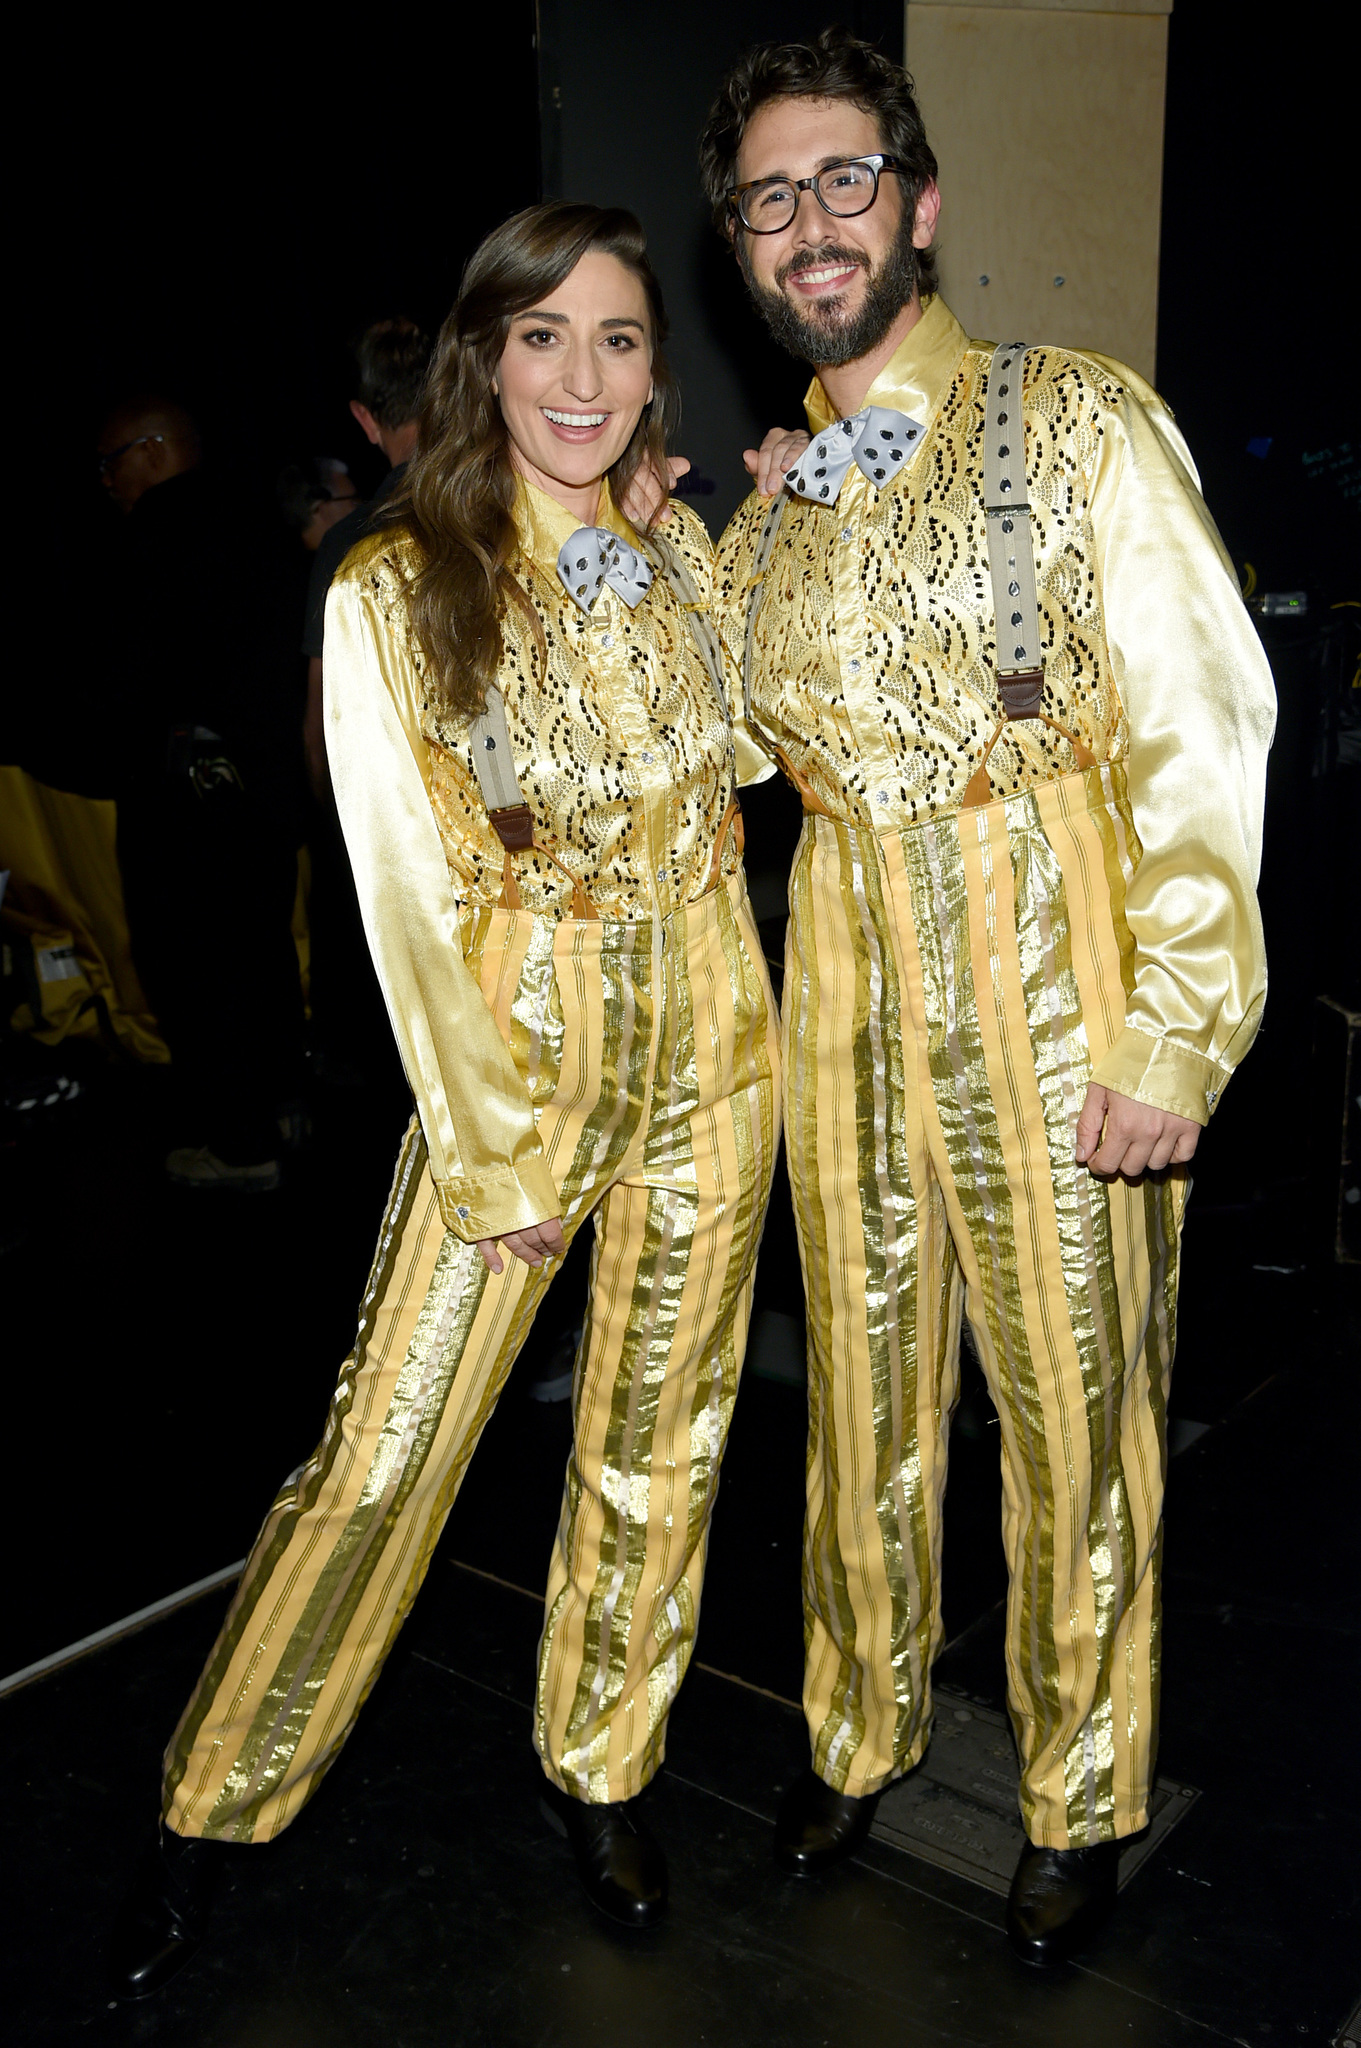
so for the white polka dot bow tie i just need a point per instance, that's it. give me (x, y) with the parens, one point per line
(878, 440)
(594, 556)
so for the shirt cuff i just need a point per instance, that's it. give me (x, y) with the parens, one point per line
(501, 1201)
(1163, 1074)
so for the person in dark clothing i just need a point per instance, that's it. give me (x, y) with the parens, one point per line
(391, 358)
(207, 791)
(352, 1040)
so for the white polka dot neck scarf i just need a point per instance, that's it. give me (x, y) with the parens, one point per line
(878, 440)
(594, 555)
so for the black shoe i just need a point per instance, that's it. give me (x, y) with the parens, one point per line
(1058, 1898)
(619, 1863)
(165, 1914)
(817, 1826)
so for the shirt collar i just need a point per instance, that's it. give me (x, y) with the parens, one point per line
(543, 524)
(914, 377)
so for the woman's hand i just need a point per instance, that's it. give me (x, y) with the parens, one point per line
(539, 1242)
(648, 491)
(779, 451)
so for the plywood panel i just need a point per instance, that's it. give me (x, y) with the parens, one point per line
(1048, 123)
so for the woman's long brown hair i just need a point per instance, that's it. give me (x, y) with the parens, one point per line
(458, 494)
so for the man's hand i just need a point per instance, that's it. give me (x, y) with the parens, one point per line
(779, 451)
(1135, 1137)
(648, 491)
(539, 1242)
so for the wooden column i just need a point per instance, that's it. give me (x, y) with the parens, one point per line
(1047, 118)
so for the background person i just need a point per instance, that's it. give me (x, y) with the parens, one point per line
(201, 712)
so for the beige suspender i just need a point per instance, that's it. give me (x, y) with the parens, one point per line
(756, 591)
(677, 573)
(1011, 556)
(489, 736)
(1011, 562)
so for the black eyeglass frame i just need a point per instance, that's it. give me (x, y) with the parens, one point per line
(106, 462)
(876, 165)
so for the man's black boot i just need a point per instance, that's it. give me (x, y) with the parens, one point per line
(620, 1864)
(817, 1826)
(1059, 1897)
(165, 1914)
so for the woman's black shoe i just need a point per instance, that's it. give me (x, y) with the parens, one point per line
(1058, 1898)
(165, 1914)
(817, 1826)
(621, 1866)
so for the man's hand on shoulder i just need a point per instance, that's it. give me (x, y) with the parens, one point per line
(647, 491)
(779, 451)
(1115, 1134)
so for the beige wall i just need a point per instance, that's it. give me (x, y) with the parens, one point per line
(1047, 118)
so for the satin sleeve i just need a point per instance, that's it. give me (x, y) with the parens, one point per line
(732, 566)
(1201, 706)
(485, 1157)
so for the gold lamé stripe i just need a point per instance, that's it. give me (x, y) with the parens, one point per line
(280, 1724)
(410, 1426)
(626, 1652)
(963, 1093)
(617, 1004)
(302, 1492)
(817, 906)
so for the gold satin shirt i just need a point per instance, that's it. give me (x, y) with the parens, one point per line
(625, 756)
(873, 665)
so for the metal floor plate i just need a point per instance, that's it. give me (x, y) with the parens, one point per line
(958, 1808)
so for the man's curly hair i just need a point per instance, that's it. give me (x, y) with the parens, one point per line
(835, 65)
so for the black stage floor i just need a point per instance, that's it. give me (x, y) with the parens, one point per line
(175, 1354)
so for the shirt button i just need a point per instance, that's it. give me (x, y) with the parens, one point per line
(846, 533)
(607, 639)
(854, 667)
(462, 1212)
(881, 796)
(645, 756)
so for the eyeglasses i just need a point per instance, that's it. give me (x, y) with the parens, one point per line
(106, 462)
(843, 190)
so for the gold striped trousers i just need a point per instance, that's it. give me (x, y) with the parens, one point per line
(649, 1051)
(948, 989)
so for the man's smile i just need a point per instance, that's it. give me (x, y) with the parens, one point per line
(820, 282)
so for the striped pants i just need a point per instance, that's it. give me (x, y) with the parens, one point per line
(947, 992)
(649, 1051)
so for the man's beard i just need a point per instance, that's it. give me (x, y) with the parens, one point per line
(825, 335)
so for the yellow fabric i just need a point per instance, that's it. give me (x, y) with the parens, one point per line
(984, 961)
(65, 889)
(624, 754)
(650, 1049)
(873, 666)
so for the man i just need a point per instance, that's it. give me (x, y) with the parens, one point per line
(352, 1037)
(391, 359)
(204, 766)
(1024, 955)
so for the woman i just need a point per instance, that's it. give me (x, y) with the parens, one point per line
(534, 769)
